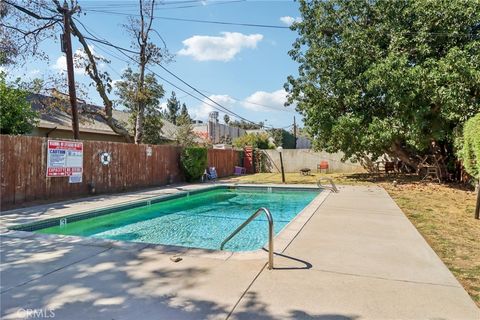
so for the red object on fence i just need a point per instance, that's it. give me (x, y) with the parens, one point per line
(248, 159)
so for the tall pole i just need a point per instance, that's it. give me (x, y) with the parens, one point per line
(477, 207)
(281, 166)
(280, 150)
(67, 45)
(295, 132)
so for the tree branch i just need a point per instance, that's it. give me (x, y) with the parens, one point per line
(31, 13)
(95, 76)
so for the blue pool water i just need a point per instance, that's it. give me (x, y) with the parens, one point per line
(201, 220)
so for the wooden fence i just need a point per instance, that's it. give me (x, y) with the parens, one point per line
(224, 161)
(23, 169)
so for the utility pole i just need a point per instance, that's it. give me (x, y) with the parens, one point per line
(295, 131)
(67, 48)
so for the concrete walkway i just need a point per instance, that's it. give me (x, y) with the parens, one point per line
(358, 257)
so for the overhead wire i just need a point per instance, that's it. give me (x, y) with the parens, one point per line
(131, 51)
(256, 25)
(160, 6)
(216, 105)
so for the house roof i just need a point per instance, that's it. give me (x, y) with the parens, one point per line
(55, 113)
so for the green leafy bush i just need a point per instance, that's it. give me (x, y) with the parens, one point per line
(470, 152)
(283, 138)
(256, 140)
(194, 162)
(16, 114)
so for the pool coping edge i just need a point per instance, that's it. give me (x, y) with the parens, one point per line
(281, 240)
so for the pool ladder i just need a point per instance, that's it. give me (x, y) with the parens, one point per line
(270, 233)
(332, 186)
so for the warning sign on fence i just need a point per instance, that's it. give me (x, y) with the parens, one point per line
(64, 158)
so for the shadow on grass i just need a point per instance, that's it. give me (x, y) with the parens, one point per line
(401, 178)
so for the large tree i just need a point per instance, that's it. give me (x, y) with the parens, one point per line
(382, 76)
(149, 53)
(184, 113)
(28, 22)
(173, 107)
(184, 134)
(151, 92)
(245, 125)
(16, 114)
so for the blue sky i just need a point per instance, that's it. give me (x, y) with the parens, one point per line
(242, 68)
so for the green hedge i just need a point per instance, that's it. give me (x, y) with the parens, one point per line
(194, 162)
(16, 114)
(470, 152)
(255, 140)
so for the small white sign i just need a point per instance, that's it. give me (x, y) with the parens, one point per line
(149, 151)
(75, 178)
(64, 158)
(63, 222)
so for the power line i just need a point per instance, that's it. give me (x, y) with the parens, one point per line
(196, 20)
(121, 50)
(105, 42)
(97, 4)
(159, 6)
(255, 24)
(199, 92)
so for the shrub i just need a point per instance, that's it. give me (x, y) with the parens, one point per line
(256, 140)
(283, 138)
(470, 152)
(16, 114)
(194, 162)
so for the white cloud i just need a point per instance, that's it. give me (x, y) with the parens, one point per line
(61, 62)
(263, 101)
(256, 106)
(163, 106)
(34, 72)
(218, 48)
(201, 112)
(61, 65)
(287, 20)
(115, 82)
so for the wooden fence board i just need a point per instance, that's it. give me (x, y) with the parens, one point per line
(224, 161)
(23, 161)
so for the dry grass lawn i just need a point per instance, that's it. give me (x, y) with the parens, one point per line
(442, 213)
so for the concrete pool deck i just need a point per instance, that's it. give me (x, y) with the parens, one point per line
(357, 257)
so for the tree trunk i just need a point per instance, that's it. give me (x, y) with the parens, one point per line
(398, 151)
(439, 160)
(141, 104)
(142, 40)
(107, 115)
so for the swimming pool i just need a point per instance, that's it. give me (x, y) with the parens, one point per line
(196, 220)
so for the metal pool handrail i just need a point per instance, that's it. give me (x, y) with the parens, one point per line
(333, 187)
(270, 233)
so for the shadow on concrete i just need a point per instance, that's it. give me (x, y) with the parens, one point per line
(307, 265)
(77, 281)
(253, 308)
